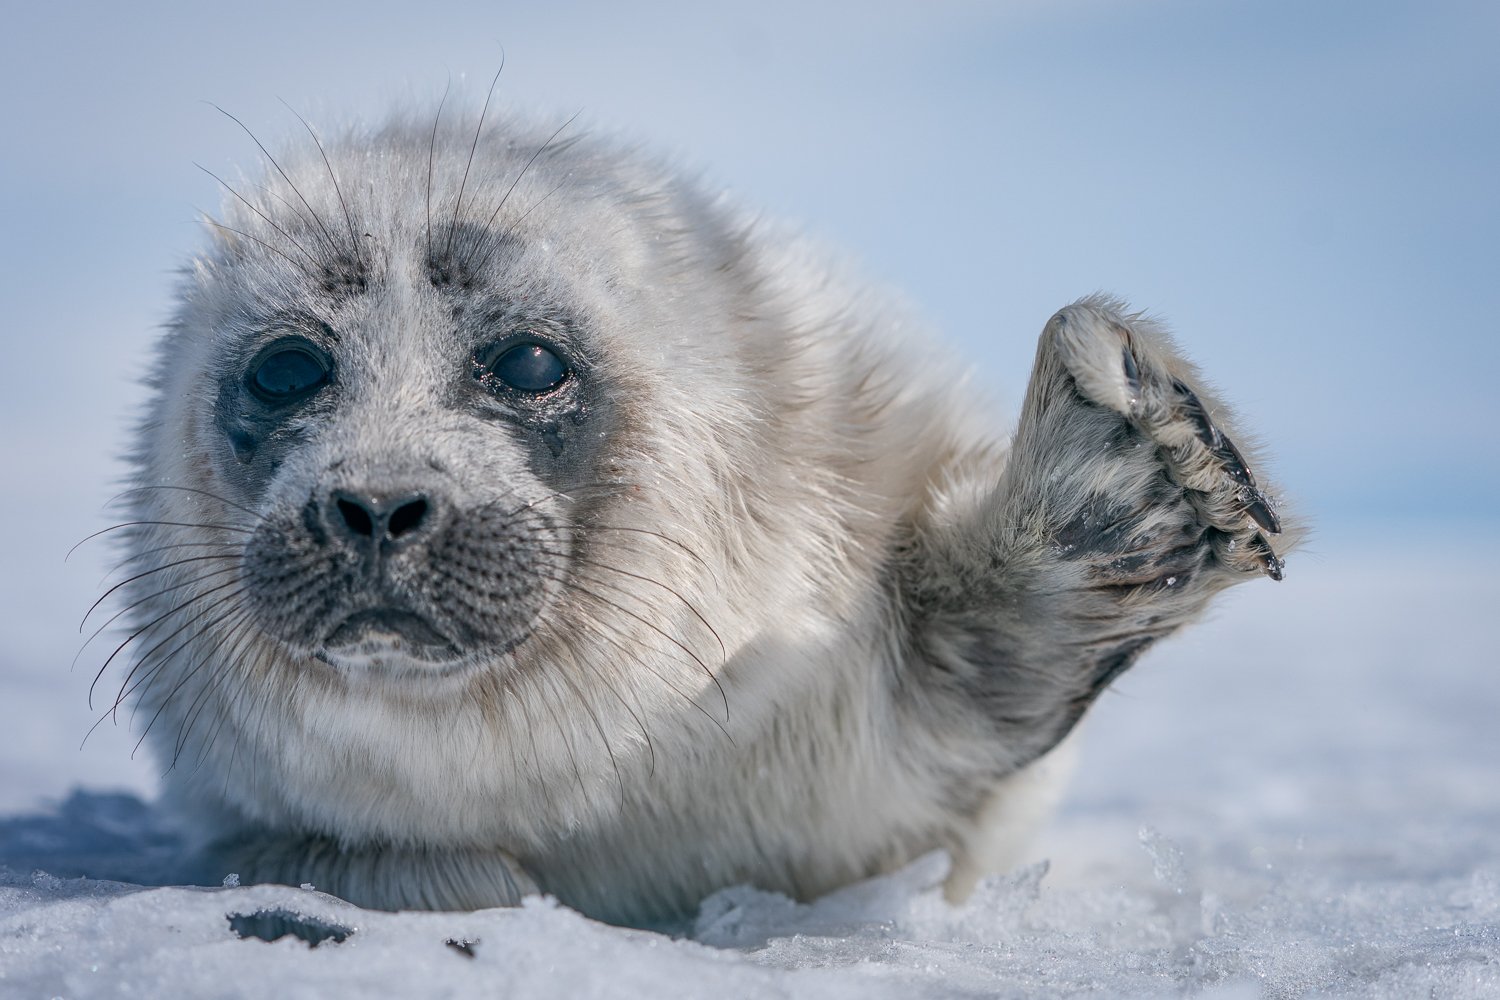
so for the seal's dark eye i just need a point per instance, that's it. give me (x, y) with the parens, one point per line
(287, 373)
(528, 368)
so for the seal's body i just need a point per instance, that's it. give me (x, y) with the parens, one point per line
(525, 519)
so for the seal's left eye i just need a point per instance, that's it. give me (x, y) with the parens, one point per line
(528, 367)
(288, 373)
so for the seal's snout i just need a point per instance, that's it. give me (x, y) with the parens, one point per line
(361, 518)
(393, 566)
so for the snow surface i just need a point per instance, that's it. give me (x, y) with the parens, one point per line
(1300, 797)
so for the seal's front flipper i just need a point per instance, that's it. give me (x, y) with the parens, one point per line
(1124, 364)
(1124, 506)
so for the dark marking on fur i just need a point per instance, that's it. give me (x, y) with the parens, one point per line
(457, 266)
(345, 277)
(1132, 373)
(1116, 661)
(243, 445)
(1127, 566)
(1103, 525)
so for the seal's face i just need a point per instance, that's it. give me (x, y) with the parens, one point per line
(415, 416)
(403, 477)
(482, 423)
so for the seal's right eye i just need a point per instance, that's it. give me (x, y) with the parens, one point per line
(527, 367)
(288, 371)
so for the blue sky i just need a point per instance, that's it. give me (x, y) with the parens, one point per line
(1306, 192)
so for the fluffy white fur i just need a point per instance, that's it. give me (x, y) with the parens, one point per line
(805, 613)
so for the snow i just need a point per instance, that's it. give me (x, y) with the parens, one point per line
(1300, 797)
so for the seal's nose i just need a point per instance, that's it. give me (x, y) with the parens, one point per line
(363, 518)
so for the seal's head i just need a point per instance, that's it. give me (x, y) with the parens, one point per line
(487, 457)
(415, 405)
(406, 466)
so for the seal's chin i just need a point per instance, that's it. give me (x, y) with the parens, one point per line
(390, 640)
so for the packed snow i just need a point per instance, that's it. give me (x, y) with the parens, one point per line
(1300, 797)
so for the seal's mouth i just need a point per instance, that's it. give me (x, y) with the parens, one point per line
(385, 630)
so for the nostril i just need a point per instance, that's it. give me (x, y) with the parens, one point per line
(408, 517)
(361, 517)
(357, 518)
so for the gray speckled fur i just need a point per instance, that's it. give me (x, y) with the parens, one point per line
(787, 606)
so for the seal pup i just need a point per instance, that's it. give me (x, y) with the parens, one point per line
(515, 515)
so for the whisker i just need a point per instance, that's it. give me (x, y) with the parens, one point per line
(515, 224)
(162, 707)
(588, 709)
(265, 692)
(568, 494)
(264, 217)
(126, 610)
(301, 216)
(239, 735)
(506, 197)
(189, 489)
(157, 549)
(619, 589)
(255, 239)
(142, 630)
(584, 528)
(723, 697)
(148, 680)
(583, 560)
(601, 676)
(523, 701)
(142, 575)
(159, 524)
(559, 578)
(549, 703)
(123, 693)
(575, 587)
(617, 642)
(237, 637)
(348, 219)
(458, 204)
(141, 688)
(596, 526)
(316, 218)
(431, 151)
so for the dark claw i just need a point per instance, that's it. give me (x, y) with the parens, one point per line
(1132, 373)
(1259, 509)
(1193, 407)
(1234, 462)
(1214, 439)
(1269, 561)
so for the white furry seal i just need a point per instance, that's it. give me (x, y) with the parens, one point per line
(513, 515)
